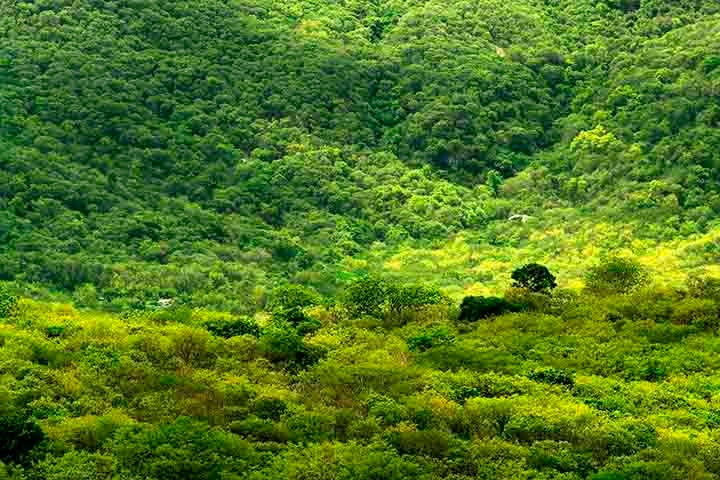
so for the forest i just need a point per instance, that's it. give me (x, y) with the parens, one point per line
(359, 239)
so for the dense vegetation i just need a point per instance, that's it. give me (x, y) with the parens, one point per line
(359, 239)
(569, 386)
(204, 151)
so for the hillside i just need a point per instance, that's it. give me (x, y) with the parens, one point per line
(359, 239)
(205, 151)
(618, 386)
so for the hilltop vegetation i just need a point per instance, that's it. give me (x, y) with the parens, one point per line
(204, 151)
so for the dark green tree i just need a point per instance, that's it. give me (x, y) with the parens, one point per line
(534, 277)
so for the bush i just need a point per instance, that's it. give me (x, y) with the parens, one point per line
(270, 408)
(260, 429)
(286, 347)
(385, 409)
(534, 277)
(616, 275)
(695, 311)
(427, 339)
(293, 296)
(366, 296)
(704, 287)
(19, 437)
(405, 297)
(233, 328)
(476, 308)
(8, 302)
(432, 443)
(553, 376)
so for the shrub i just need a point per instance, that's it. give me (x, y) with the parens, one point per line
(366, 296)
(553, 376)
(534, 277)
(54, 331)
(309, 427)
(269, 408)
(260, 429)
(286, 347)
(616, 275)
(191, 345)
(385, 409)
(405, 297)
(233, 328)
(309, 326)
(293, 296)
(695, 311)
(432, 443)
(427, 339)
(704, 287)
(19, 437)
(8, 302)
(476, 308)
(294, 316)
(653, 371)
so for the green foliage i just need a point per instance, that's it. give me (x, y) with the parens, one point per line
(269, 408)
(616, 275)
(8, 302)
(477, 308)
(233, 328)
(290, 297)
(286, 347)
(408, 297)
(162, 156)
(20, 437)
(366, 296)
(534, 277)
(429, 338)
(553, 376)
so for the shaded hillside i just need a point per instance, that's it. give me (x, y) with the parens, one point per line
(204, 150)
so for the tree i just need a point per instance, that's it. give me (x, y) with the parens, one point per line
(407, 297)
(534, 277)
(366, 296)
(293, 296)
(616, 275)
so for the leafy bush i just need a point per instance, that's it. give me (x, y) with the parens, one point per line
(233, 328)
(477, 308)
(406, 297)
(260, 429)
(366, 296)
(534, 277)
(704, 287)
(427, 339)
(293, 296)
(616, 275)
(20, 436)
(695, 311)
(269, 408)
(287, 348)
(553, 376)
(431, 443)
(8, 302)
(386, 410)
